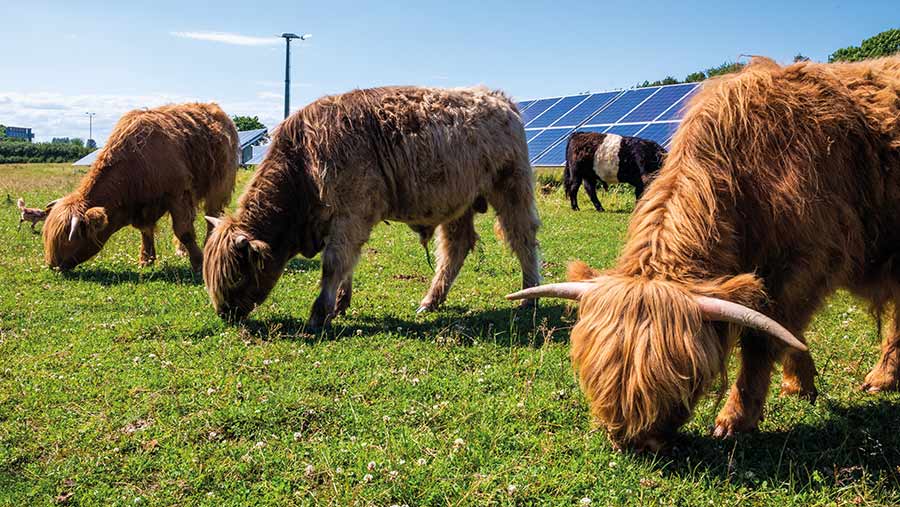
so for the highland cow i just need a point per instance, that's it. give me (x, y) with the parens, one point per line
(782, 185)
(156, 161)
(606, 159)
(427, 157)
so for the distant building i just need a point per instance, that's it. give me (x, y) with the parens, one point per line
(19, 133)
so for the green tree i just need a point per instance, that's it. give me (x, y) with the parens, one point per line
(247, 123)
(2, 131)
(883, 44)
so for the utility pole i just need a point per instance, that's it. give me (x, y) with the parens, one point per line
(287, 68)
(90, 127)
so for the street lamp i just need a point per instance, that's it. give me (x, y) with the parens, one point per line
(287, 68)
(90, 127)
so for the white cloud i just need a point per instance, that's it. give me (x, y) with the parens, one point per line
(229, 38)
(52, 115)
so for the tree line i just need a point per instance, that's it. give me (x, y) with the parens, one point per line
(883, 44)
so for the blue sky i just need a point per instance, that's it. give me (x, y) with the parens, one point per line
(61, 59)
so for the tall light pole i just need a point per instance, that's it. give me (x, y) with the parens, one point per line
(90, 127)
(287, 68)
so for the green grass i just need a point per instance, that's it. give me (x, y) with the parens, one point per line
(120, 386)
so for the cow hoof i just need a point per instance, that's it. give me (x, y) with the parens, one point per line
(878, 381)
(723, 432)
(424, 309)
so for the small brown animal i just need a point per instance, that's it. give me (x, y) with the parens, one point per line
(157, 161)
(32, 215)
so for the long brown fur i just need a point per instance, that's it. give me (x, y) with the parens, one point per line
(782, 185)
(160, 160)
(427, 157)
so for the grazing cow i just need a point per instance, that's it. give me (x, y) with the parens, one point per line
(33, 215)
(159, 160)
(782, 185)
(606, 159)
(427, 157)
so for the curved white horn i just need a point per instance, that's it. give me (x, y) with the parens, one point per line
(726, 311)
(52, 203)
(213, 221)
(565, 290)
(73, 226)
(241, 241)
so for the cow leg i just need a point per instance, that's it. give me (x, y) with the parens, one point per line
(148, 247)
(744, 408)
(183, 215)
(214, 205)
(798, 375)
(590, 186)
(454, 242)
(885, 376)
(339, 257)
(573, 194)
(344, 293)
(518, 221)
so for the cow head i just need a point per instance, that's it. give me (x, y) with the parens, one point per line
(73, 233)
(238, 269)
(647, 349)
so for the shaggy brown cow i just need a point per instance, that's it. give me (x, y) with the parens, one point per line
(159, 160)
(427, 157)
(782, 185)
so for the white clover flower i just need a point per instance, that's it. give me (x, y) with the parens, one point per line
(367, 478)
(511, 489)
(371, 466)
(585, 501)
(421, 462)
(298, 435)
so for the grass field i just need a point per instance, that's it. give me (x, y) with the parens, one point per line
(120, 386)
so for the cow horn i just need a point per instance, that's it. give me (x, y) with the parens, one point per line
(73, 226)
(241, 241)
(725, 311)
(213, 221)
(52, 203)
(565, 290)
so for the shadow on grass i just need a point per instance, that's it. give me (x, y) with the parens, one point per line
(509, 326)
(180, 274)
(853, 444)
(301, 264)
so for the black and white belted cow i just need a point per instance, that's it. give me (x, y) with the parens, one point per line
(609, 158)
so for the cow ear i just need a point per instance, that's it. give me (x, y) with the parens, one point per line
(96, 218)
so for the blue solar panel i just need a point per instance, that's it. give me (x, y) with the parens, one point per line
(626, 130)
(525, 104)
(544, 140)
(659, 102)
(599, 129)
(555, 155)
(532, 133)
(554, 113)
(622, 106)
(584, 110)
(659, 132)
(676, 112)
(538, 107)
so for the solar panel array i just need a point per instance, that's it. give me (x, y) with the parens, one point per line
(651, 113)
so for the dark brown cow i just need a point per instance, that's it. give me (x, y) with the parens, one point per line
(606, 159)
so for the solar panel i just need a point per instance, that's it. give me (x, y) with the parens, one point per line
(659, 102)
(87, 159)
(676, 112)
(259, 153)
(659, 132)
(538, 107)
(622, 106)
(544, 140)
(246, 137)
(587, 108)
(625, 130)
(554, 156)
(556, 111)
(522, 106)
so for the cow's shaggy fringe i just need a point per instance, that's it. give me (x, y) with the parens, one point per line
(160, 160)
(783, 183)
(427, 157)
